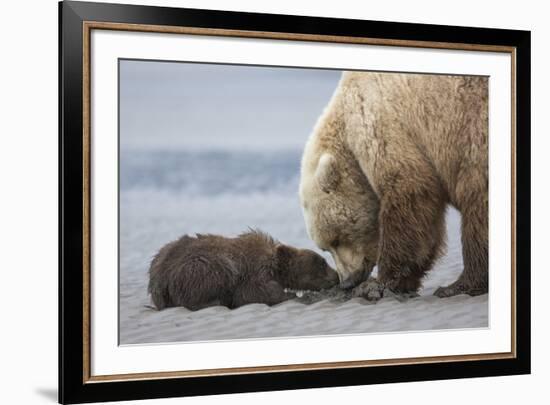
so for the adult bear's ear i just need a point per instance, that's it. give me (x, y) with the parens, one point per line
(327, 174)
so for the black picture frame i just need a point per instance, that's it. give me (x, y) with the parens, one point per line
(75, 387)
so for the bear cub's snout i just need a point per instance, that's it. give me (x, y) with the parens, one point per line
(206, 270)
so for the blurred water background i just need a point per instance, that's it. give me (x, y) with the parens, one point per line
(213, 148)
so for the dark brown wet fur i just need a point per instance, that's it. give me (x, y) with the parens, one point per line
(207, 270)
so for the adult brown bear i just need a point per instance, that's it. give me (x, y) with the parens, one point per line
(387, 156)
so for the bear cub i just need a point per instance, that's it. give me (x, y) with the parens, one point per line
(207, 270)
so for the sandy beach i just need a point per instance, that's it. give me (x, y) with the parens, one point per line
(148, 230)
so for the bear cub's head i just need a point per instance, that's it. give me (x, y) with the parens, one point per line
(303, 269)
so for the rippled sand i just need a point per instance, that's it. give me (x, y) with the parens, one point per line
(140, 323)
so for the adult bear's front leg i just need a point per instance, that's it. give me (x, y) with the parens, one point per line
(412, 231)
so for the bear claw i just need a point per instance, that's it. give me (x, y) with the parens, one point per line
(371, 290)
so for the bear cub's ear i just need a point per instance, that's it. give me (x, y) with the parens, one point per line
(327, 174)
(284, 254)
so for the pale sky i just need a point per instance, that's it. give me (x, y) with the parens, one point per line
(169, 105)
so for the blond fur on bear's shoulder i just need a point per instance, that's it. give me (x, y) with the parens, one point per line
(386, 120)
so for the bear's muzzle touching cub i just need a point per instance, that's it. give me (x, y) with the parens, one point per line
(207, 270)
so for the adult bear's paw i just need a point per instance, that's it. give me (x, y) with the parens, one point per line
(457, 288)
(371, 290)
(374, 290)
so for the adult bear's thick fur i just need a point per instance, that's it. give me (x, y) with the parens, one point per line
(388, 155)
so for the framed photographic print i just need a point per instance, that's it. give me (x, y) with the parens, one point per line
(255, 202)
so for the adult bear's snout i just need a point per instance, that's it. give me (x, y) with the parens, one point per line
(357, 277)
(352, 281)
